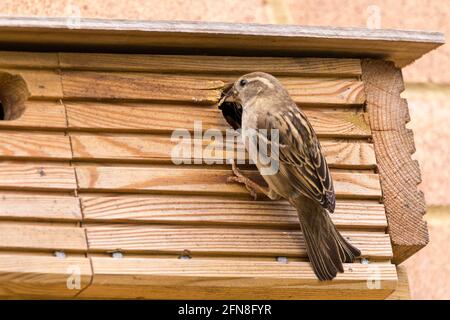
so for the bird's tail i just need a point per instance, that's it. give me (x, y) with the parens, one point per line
(326, 247)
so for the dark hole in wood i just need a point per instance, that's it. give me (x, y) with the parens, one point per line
(2, 112)
(231, 111)
(13, 94)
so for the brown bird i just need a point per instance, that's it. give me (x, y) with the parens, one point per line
(258, 101)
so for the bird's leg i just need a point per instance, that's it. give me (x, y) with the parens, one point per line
(252, 187)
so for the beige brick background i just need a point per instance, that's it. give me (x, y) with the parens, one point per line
(428, 82)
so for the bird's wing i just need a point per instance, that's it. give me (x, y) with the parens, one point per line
(301, 160)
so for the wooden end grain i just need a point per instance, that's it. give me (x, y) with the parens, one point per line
(394, 144)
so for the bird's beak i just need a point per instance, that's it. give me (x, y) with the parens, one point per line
(227, 94)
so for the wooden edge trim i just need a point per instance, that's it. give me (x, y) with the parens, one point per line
(394, 144)
(176, 36)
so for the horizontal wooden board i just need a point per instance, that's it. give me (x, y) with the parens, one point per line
(55, 34)
(220, 241)
(324, 91)
(36, 237)
(159, 278)
(42, 208)
(199, 90)
(208, 64)
(38, 60)
(212, 181)
(339, 153)
(41, 83)
(37, 177)
(138, 117)
(216, 211)
(181, 63)
(34, 146)
(33, 276)
(39, 115)
(138, 86)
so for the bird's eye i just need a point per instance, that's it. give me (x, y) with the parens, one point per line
(243, 82)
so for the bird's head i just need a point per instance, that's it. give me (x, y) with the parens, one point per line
(250, 86)
(236, 95)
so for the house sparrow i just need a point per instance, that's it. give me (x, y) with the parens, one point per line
(258, 101)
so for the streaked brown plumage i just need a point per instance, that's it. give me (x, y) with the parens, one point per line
(258, 101)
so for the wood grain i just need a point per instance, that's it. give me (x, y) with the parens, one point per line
(32, 276)
(40, 83)
(231, 279)
(53, 34)
(220, 241)
(35, 237)
(399, 174)
(40, 208)
(148, 148)
(210, 64)
(34, 146)
(199, 89)
(212, 181)
(402, 291)
(138, 86)
(39, 115)
(37, 177)
(21, 59)
(324, 91)
(139, 117)
(219, 212)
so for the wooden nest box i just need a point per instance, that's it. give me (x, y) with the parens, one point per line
(91, 205)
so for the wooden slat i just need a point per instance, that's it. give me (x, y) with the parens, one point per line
(42, 208)
(324, 91)
(181, 63)
(135, 117)
(36, 33)
(213, 181)
(215, 211)
(37, 177)
(39, 60)
(339, 153)
(39, 115)
(200, 90)
(138, 86)
(220, 241)
(35, 237)
(29, 276)
(231, 279)
(34, 146)
(209, 64)
(40, 83)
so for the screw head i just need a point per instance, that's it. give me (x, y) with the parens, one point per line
(59, 254)
(282, 260)
(117, 255)
(365, 261)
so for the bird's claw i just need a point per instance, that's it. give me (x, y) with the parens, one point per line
(244, 181)
(236, 170)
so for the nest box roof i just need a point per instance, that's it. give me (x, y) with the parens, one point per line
(64, 34)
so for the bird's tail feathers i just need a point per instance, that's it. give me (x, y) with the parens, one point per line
(326, 247)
